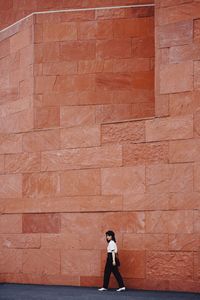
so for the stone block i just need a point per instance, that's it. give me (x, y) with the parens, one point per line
(21, 40)
(197, 123)
(10, 143)
(60, 32)
(169, 222)
(113, 112)
(129, 132)
(40, 184)
(59, 68)
(130, 222)
(41, 140)
(184, 150)
(22, 163)
(170, 77)
(78, 263)
(41, 261)
(77, 50)
(11, 223)
(179, 33)
(10, 186)
(45, 84)
(178, 54)
(84, 136)
(197, 221)
(157, 242)
(149, 153)
(169, 128)
(77, 115)
(9, 263)
(184, 200)
(157, 178)
(183, 103)
(181, 178)
(92, 30)
(41, 223)
(95, 66)
(133, 180)
(170, 265)
(130, 64)
(197, 75)
(135, 27)
(80, 182)
(184, 242)
(115, 48)
(4, 48)
(132, 264)
(93, 157)
(146, 201)
(47, 52)
(20, 241)
(46, 117)
(143, 47)
(74, 83)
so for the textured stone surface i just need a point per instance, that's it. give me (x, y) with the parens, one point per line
(135, 154)
(131, 132)
(168, 265)
(170, 128)
(41, 223)
(92, 157)
(124, 180)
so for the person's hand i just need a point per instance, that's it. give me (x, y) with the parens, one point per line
(114, 263)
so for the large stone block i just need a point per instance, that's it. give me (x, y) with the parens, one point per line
(184, 150)
(40, 184)
(118, 48)
(184, 242)
(132, 264)
(170, 77)
(41, 140)
(41, 223)
(125, 180)
(10, 143)
(22, 162)
(91, 30)
(146, 201)
(135, 154)
(179, 33)
(60, 32)
(20, 241)
(135, 27)
(77, 50)
(73, 83)
(84, 136)
(47, 117)
(21, 40)
(170, 265)
(92, 157)
(80, 183)
(77, 115)
(169, 128)
(9, 263)
(41, 261)
(169, 222)
(79, 263)
(60, 68)
(157, 242)
(184, 200)
(10, 223)
(10, 186)
(129, 132)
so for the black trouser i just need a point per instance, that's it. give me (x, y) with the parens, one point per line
(109, 268)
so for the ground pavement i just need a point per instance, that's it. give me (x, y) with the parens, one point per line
(41, 292)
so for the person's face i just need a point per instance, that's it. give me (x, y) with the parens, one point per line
(108, 237)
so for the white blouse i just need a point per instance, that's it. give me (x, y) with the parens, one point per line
(112, 246)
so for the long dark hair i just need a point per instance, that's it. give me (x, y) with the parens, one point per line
(111, 233)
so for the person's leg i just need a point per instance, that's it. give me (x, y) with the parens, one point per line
(118, 276)
(107, 272)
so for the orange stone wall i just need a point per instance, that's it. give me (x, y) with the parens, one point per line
(74, 167)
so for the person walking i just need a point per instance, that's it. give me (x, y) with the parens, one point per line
(112, 264)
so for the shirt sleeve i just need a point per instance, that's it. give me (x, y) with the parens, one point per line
(112, 246)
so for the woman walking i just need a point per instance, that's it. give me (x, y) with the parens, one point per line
(112, 263)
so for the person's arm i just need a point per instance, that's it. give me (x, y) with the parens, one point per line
(113, 258)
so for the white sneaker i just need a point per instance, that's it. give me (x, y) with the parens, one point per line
(102, 289)
(121, 289)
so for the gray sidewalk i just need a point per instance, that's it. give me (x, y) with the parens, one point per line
(41, 292)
